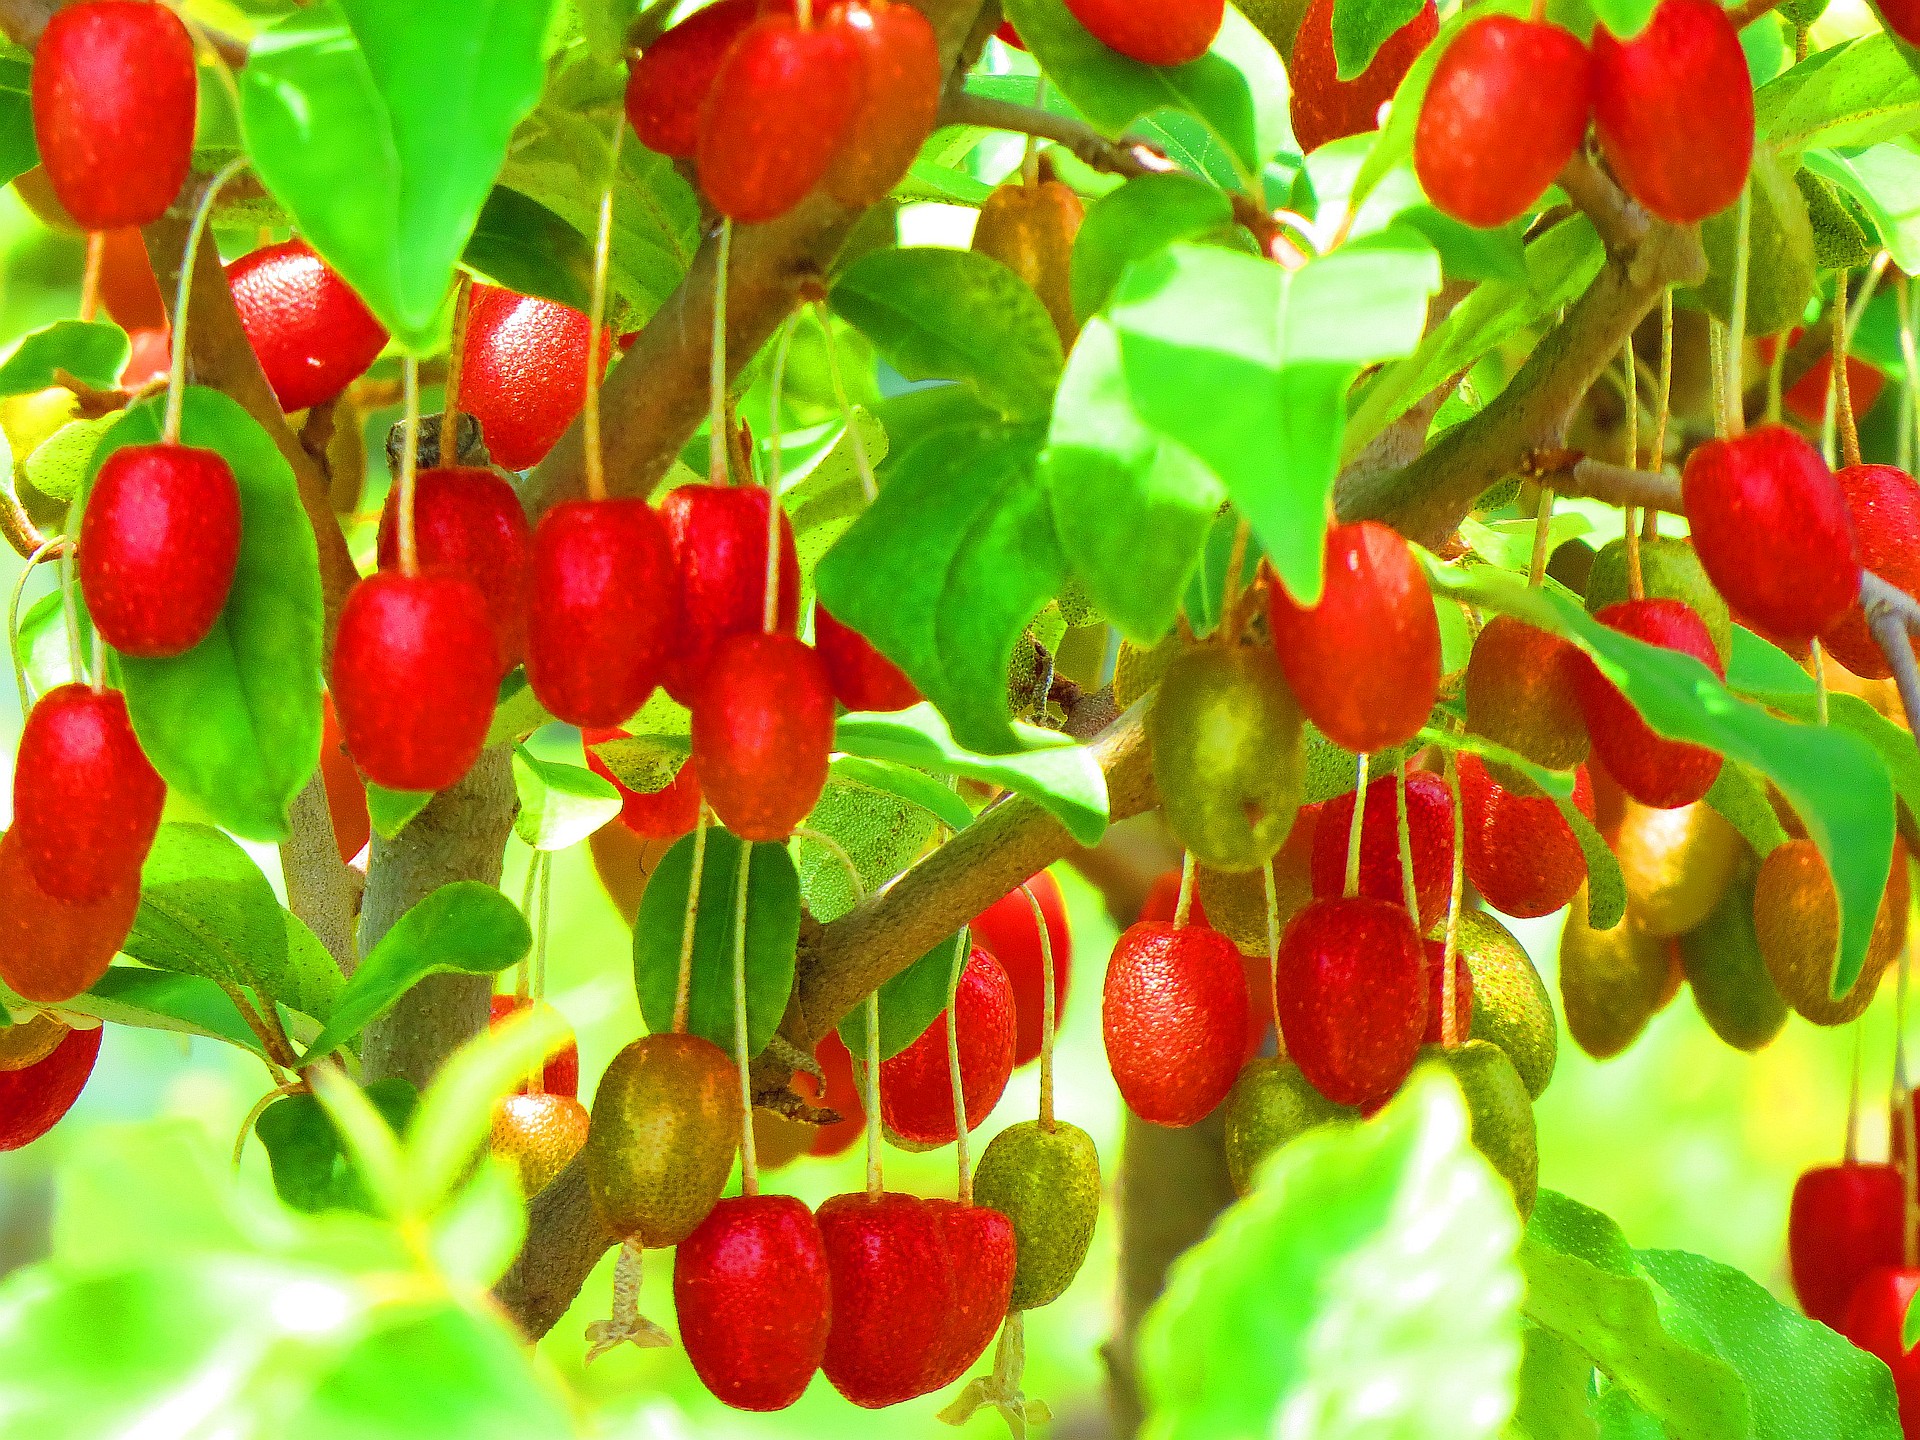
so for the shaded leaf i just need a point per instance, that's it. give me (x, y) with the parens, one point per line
(909, 1002)
(560, 805)
(94, 352)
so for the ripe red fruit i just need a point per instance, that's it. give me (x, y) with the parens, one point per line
(1876, 1316)
(114, 98)
(763, 734)
(468, 522)
(86, 801)
(1007, 33)
(604, 610)
(1007, 931)
(415, 673)
(1365, 662)
(899, 99)
(1169, 33)
(1351, 990)
(751, 1290)
(159, 543)
(1884, 505)
(149, 355)
(893, 1296)
(981, 1244)
(719, 535)
(1521, 854)
(346, 795)
(1437, 995)
(1505, 110)
(665, 814)
(840, 1094)
(1674, 108)
(523, 373)
(671, 78)
(51, 950)
(1174, 1014)
(780, 107)
(1806, 398)
(127, 286)
(1771, 527)
(863, 678)
(1845, 1221)
(311, 333)
(916, 1085)
(1429, 836)
(561, 1074)
(33, 1099)
(1665, 774)
(1324, 106)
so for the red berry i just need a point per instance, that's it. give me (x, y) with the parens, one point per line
(1364, 663)
(1884, 505)
(1351, 990)
(127, 286)
(863, 678)
(1324, 106)
(665, 814)
(415, 673)
(916, 1086)
(1006, 929)
(1665, 774)
(893, 1296)
(751, 1290)
(1902, 17)
(899, 99)
(1845, 1220)
(1770, 525)
(1171, 32)
(1010, 35)
(523, 373)
(561, 1074)
(1674, 108)
(86, 802)
(1806, 398)
(1521, 854)
(469, 522)
(114, 98)
(1876, 1316)
(1174, 1013)
(981, 1244)
(719, 537)
(780, 107)
(1437, 995)
(33, 1099)
(159, 542)
(149, 355)
(841, 1094)
(763, 734)
(1505, 110)
(1429, 835)
(346, 795)
(312, 334)
(51, 950)
(671, 78)
(602, 619)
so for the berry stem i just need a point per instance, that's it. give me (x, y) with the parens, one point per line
(90, 277)
(1049, 1008)
(1636, 587)
(1352, 887)
(749, 1160)
(874, 1185)
(1910, 1172)
(70, 607)
(1819, 666)
(868, 485)
(540, 935)
(1184, 903)
(1450, 948)
(1230, 586)
(597, 318)
(1842, 385)
(1776, 379)
(1273, 956)
(409, 464)
(1735, 421)
(1409, 892)
(253, 1117)
(46, 551)
(1542, 532)
(1663, 401)
(769, 616)
(964, 1189)
(683, 987)
(717, 467)
(456, 352)
(177, 371)
(1910, 354)
(523, 972)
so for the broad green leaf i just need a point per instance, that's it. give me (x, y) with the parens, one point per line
(645, 763)
(520, 244)
(234, 724)
(1885, 179)
(1361, 27)
(560, 805)
(517, 713)
(310, 1168)
(1246, 365)
(1142, 217)
(464, 927)
(44, 642)
(821, 484)
(945, 569)
(904, 783)
(909, 1002)
(1740, 797)
(1555, 1377)
(18, 151)
(880, 830)
(1051, 769)
(1856, 93)
(772, 938)
(366, 1139)
(384, 170)
(1207, 589)
(157, 1000)
(93, 352)
(391, 810)
(1468, 252)
(940, 314)
(1366, 1287)
(1625, 18)
(59, 464)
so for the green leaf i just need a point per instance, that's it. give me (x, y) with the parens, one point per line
(560, 805)
(311, 1171)
(940, 314)
(945, 569)
(1741, 800)
(93, 352)
(1361, 27)
(904, 783)
(155, 1000)
(772, 938)
(1053, 770)
(645, 763)
(521, 245)
(1625, 18)
(465, 928)
(59, 464)
(384, 170)
(876, 826)
(909, 1002)
(366, 1139)
(1856, 93)
(1584, 1285)
(1246, 365)
(18, 151)
(391, 810)
(1366, 1287)
(1885, 179)
(43, 641)
(1207, 588)
(234, 724)
(1555, 1376)
(1141, 218)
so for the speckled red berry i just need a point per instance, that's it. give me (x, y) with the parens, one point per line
(893, 1296)
(863, 678)
(51, 950)
(981, 1243)
(901, 80)
(763, 734)
(719, 535)
(1429, 833)
(469, 522)
(1351, 989)
(670, 80)
(1884, 505)
(312, 335)
(1521, 854)
(33, 1099)
(86, 801)
(523, 373)
(1665, 774)
(1324, 106)
(1007, 930)
(1170, 32)
(916, 1085)
(561, 1074)
(1174, 1014)
(1845, 1220)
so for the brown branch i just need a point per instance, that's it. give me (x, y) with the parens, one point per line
(1617, 485)
(22, 534)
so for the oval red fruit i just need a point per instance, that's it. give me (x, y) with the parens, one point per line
(981, 1243)
(763, 734)
(664, 814)
(159, 543)
(602, 619)
(1884, 505)
(893, 1294)
(346, 793)
(561, 1074)
(1674, 108)
(1665, 774)
(1174, 1014)
(51, 950)
(415, 673)
(127, 286)
(33, 1099)
(670, 80)
(313, 336)
(1351, 989)
(1504, 112)
(1429, 836)
(469, 522)
(899, 99)
(916, 1085)
(840, 1094)
(523, 373)
(1364, 663)
(86, 801)
(1876, 1321)
(719, 535)
(1324, 106)
(1845, 1220)
(1437, 995)
(1171, 32)
(1521, 854)
(114, 94)
(863, 678)
(1007, 931)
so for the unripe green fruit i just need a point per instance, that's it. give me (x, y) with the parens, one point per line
(1669, 570)
(1511, 1007)
(1333, 770)
(1612, 982)
(1235, 901)
(1730, 983)
(1677, 864)
(1502, 1115)
(1780, 255)
(1226, 738)
(1047, 1182)
(1271, 1104)
(1141, 667)
(665, 1125)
